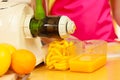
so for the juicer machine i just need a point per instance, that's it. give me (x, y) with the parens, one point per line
(14, 28)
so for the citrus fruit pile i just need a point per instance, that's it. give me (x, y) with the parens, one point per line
(21, 61)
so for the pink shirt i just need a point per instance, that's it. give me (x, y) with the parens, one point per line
(92, 18)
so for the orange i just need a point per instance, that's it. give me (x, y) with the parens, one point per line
(5, 60)
(9, 46)
(23, 61)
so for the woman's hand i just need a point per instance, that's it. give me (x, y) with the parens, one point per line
(115, 5)
(46, 40)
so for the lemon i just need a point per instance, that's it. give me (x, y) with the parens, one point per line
(5, 60)
(9, 46)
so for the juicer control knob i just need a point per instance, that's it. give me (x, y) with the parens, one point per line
(70, 27)
(66, 27)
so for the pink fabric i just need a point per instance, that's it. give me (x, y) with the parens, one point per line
(92, 18)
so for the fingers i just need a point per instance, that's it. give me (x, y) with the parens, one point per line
(46, 40)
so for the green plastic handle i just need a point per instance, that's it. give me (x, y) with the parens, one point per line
(39, 11)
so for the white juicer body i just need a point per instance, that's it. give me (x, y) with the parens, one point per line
(14, 21)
